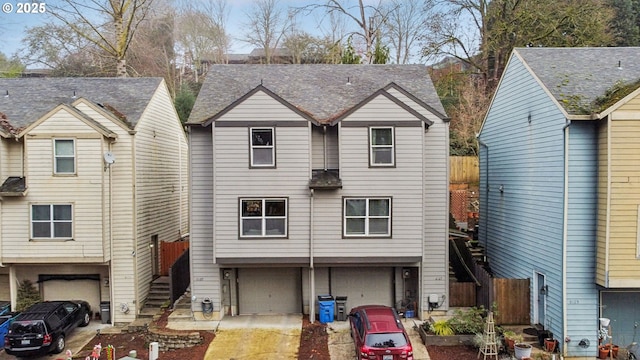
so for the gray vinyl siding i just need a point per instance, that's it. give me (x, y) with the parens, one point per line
(205, 279)
(403, 183)
(234, 179)
(582, 294)
(524, 227)
(435, 202)
(318, 142)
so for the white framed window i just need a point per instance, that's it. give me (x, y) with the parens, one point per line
(52, 221)
(369, 217)
(64, 152)
(381, 146)
(263, 217)
(262, 147)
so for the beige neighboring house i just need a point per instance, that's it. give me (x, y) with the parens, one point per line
(93, 178)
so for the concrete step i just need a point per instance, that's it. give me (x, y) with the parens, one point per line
(180, 314)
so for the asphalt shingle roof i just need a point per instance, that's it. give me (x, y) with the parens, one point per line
(582, 74)
(30, 98)
(319, 90)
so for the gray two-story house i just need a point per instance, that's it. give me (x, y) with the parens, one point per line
(309, 180)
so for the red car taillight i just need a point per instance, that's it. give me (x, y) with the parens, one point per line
(366, 354)
(407, 354)
(47, 340)
(6, 342)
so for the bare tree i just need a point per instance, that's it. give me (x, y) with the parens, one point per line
(202, 34)
(114, 35)
(405, 26)
(496, 26)
(369, 21)
(267, 25)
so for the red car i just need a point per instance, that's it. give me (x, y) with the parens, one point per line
(378, 334)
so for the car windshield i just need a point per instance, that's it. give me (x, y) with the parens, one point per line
(386, 340)
(27, 327)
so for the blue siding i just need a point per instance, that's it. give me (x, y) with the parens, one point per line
(582, 294)
(524, 153)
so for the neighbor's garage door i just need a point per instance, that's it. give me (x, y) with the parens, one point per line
(87, 290)
(621, 307)
(269, 291)
(363, 285)
(4, 288)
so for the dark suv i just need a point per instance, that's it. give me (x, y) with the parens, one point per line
(378, 334)
(42, 328)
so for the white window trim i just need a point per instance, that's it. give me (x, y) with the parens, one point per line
(51, 222)
(366, 217)
(56, 157)
(264, 218)
(271, 146)
(392, 147)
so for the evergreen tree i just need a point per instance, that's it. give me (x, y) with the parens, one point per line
(27, 295)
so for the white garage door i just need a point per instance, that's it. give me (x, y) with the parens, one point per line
(269, 291)
(363, 285)
(4, 288)
(87, 290)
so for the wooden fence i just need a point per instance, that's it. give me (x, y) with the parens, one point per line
(462, 294)
(169, 253)
(464, 170)
(511, 297)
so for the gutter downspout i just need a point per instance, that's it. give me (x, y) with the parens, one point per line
(112, 285)
(565, 217)
(312, 278)
(608, 226)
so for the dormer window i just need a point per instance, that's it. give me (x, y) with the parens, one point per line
(381, 146)
(262, 147)
(64, 156)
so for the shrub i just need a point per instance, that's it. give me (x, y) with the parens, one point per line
(442, 328)
(469, 321)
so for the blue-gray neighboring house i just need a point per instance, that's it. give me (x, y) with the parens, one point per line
(560, 189)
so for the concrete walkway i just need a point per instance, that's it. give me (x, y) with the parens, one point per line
(259, 337)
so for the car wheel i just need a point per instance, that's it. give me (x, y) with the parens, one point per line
(59, 345)
(86, 319)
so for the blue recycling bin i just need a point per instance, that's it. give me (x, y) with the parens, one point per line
(5, 321)
(326, 306)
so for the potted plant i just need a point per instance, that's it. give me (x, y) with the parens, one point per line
(511, 338)
(522, 350)
(550, 344)
(603, 351)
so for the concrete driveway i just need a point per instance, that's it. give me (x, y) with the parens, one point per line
(256, 337)
(75, 342)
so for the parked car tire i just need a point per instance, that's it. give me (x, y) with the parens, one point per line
(59, 345)
(86, 319)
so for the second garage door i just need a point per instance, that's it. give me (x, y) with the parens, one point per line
(363, 286)
(269, 291)
(87, 290)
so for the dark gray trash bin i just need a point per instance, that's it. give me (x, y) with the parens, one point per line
(105, 312)
(341, 308)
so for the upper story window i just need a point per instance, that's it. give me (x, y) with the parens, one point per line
(64, 156)
(262, 147)
(51, 221)
(263, 217)
(367, 217)
(381, 146)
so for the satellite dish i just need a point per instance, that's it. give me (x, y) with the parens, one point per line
(109, 158)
